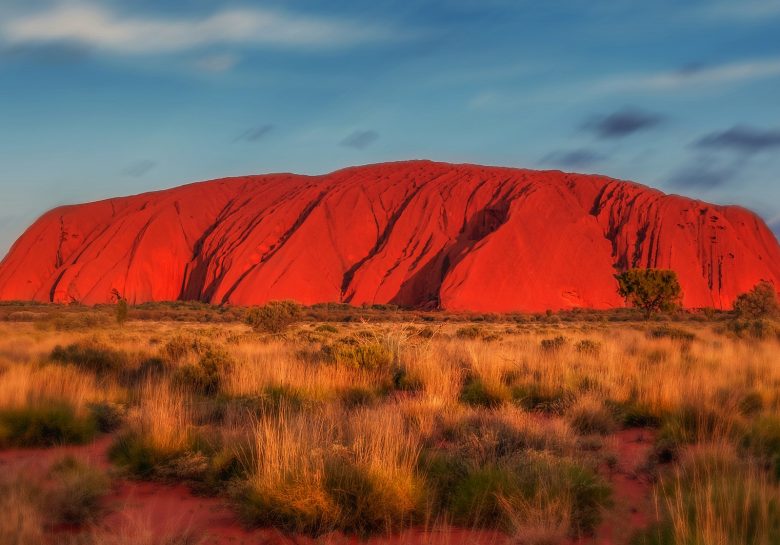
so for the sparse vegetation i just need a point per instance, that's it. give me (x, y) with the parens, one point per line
(371, 428)
(651, 290)
(760, 302)
(274, 317)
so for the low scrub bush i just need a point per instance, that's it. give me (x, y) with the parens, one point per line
(478, 393)
(75, 492)
(715, 497)
(91, 356)
(205, 377)
(674, 333)
(536, 397)
(511, 492)
(554, 344)
(359, 354)
(468, 332)
(274, 317)
(181, 347)
(590, 416)
(762, 440)
(45, 425)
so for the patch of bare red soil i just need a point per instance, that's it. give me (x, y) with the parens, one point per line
(633, 507)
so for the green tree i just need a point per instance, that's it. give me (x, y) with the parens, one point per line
(274, 317)
(759, 302)
(651, 290)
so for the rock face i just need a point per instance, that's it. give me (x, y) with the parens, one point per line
(416, 234)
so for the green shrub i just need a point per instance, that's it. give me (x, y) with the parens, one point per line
(204, 378)
(44, 426)
(632, 414)
(358, 396)
(327, 328)
(405, 382)
(763, 441)
(274, 317)
(756, 329)
(501, 492)
(477, 393)
(759, 302)
(75, 494)
(592, 418)
(554, 344)
(91, 356)
(107, 416)
(674, 333)
(362, 354)
(588, 347)
(369, 501)
(468, 332)
(534, 397)
(180, 347)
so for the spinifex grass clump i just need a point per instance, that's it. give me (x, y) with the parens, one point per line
(49, 405)
(502, 469)
(715, 496)
(91, 356)
(326, 470)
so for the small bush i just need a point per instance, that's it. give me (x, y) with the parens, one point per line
(358, 396)
(674, 333)
(274, 317)
(760, 302)
(76, 491)
(44, 426)
(554, 344)
(91, 356)
(588, 347)
(477, 393)
(204, 378)
(756, 329)
(107, 416)
(534, 397)
(468, 332)
(368, 355)
(327, 328)
(763, 441)
(590, 416)
(182, 346)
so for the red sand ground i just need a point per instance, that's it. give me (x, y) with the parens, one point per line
(417, 234)
(154, 509)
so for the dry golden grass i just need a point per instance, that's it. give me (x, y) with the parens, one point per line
(306, 441)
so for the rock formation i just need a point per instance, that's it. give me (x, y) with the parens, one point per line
(416, 234)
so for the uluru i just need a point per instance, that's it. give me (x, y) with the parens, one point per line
(417, 234)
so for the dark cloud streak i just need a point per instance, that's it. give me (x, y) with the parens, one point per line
(622, 123)
(577, 158)
(139, 168)
(741, 139)
(360, 139)
(255, 134)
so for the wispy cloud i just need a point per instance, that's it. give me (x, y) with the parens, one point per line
(254, 134)
(360, 139)
(692, 76)
(217, 63)
(577, 158)
(139, 168)
(622, 123)
(742, 139)
(100, 27)
(744, 10)
(706, 173)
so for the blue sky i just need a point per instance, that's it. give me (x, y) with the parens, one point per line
(106, 98)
